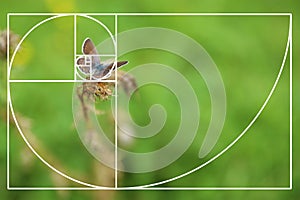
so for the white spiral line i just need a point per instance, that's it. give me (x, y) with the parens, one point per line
(239, 137)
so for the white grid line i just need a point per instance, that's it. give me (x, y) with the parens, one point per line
(75, 46)
(101, 55)
(163, 14)
(116, 103)
(154, 188)
(291, 102)
(60, 81)
(20, 130)
(7, 105)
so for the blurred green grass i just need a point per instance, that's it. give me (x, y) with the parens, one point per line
(259, 158)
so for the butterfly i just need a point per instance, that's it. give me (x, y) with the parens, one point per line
(90, 64)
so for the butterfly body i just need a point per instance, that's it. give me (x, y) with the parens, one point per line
(100, 67)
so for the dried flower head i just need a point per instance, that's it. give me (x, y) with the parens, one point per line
(103, 90)
(13, 42)
(93, 90)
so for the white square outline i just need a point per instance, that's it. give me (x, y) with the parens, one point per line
(158, 188)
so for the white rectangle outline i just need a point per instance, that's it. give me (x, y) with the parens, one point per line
(116, 104)
(153, 188)
(75, 45)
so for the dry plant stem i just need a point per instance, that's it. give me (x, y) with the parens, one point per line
(28, 159)
(80, 95)
(88, 93)
(105, 175)
(13, 41)
(125, 80)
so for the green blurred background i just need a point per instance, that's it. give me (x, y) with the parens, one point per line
(248, 52)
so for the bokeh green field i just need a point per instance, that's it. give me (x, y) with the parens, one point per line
(248, 51)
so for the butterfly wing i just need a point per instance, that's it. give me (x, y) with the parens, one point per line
(121, 63)
(104, 69)
(82, 66)
(112, 67)
(89, 48)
